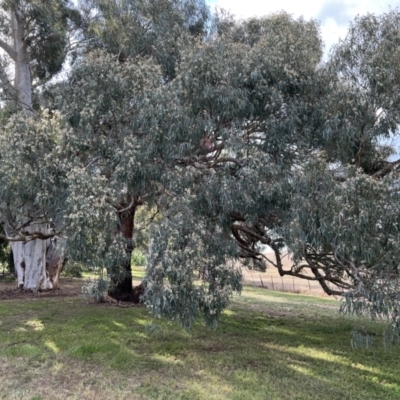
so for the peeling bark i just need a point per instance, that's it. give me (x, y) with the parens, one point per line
(37, 263)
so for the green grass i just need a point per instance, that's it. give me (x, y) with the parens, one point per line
(268, 345)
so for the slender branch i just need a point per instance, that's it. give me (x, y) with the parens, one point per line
(137, 201)
(92, 162)
(358, 155)
(248, 231)
(132, 203)
(8, 49)
(227, 159)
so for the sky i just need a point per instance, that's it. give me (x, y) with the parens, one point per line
(334, 15)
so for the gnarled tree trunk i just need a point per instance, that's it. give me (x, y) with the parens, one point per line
(122, 288)
(37, 263)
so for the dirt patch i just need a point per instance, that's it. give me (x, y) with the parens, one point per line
(69, 287)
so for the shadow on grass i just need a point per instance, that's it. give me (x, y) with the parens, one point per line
(258, 353)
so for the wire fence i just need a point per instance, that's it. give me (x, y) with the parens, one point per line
(273, 281)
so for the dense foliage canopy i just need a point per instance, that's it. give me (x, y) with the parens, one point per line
(235, 135)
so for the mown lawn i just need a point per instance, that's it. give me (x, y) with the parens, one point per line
(268, 345)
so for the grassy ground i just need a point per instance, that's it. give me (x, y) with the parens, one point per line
(268, 345)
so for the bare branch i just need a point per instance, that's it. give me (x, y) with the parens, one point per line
(92, 162)
(8, 49)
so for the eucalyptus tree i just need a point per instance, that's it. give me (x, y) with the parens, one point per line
(345, 215)
(34, 39)
(302, 171)
(192, 144)
(237, 135)
(257, 88)
(251, 141)
(156, 28)
(131, 44)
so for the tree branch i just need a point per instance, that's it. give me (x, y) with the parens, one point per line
(28, 236)
(386, 169)
(8, 49)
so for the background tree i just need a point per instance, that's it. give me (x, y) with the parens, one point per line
(5, 256)
(34, 38)
(345, 221)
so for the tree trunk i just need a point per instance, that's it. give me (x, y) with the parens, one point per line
(122, 288)
(37, 263)
(22, 76)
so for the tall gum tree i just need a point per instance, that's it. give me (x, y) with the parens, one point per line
(132, 30)
(34, 40)
(290, 160)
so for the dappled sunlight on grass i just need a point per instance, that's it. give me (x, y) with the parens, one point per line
(167, 359)
(266, 346)
(302, 370)
(52, 346)
(309, 352)
(35, 324)
(313, 358)
(229, 313)
(119, 325)
(57, 367)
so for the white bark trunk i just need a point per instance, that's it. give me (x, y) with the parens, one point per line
(19, 265)
(37, 263)
(22, 79)
(34, 269)
(35, 260)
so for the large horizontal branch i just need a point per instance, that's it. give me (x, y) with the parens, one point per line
(323, 267)
(386, 169)
(237, 161)
(255, 235)
(28, 236)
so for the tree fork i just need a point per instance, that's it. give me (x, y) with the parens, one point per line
(122, 288)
